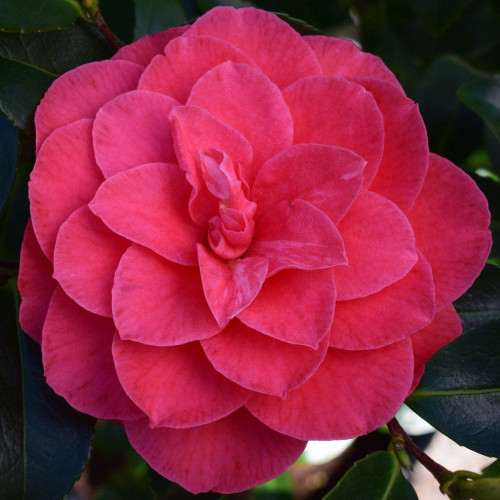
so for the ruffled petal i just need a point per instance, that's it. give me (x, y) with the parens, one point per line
(76, 346)
(342, 57)
(352, 393)
(278, 50)
(35, 285)
(85, 260)
(327, 177)
(204, 458)
(450, 219)
(186, 59)
(148, 205)
(386, 316)
(160, 303)
(403, 167)
(65, 177)
(261, 363)
(80, 93)
(143, 50)
(175, 386)
(132, 130)
(297, 235)
(331, 110)
(230, 286)
(294, 306)
(248, 101)
(379, 244)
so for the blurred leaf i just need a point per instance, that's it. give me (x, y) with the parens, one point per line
(30, 62)
(482, 301)
(376, 477)
(157, 15)
(44, 443)
(120, 17)
(437, 15)
(298, 25)
(483, 97)
(459, 393)
(8, 157)
(34, 15)
(492, 470)
(280, 488)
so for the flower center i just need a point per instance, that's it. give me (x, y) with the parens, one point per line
(230, 232)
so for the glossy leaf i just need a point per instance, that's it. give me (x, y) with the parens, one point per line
(44, 443)
(8, 156)
(157, 15)
(376, 477)
(459, 393)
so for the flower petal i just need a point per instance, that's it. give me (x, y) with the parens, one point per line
(279, 51)
(35, 285)
(248, 101)
(85, 260)
(261, 363)
(379, 244)
(343, 58)
(230, 287)
(80, 93)
(450, 219)
(65, 177)
(76, 346)
(352, 393)
(386, 316)
(327, 177)
(331, 110)
(143, 50)
(214, 450)
(297, 235)
(132, 130)
(148, 205)
(294, 306)
(186, 59)
(160, 303)
(175, 386)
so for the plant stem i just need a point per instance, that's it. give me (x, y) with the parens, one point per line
(104, 29)
(437, 470)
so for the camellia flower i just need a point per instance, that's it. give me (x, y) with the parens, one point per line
(239, 242)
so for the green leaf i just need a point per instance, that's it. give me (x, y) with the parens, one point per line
(120, 17)
(459, 393)
(492, 470)
(299, 25)
(483, 97)
(44, 443)
(157, 15)
(35, 15)
(8, 157)
(29, 63)
(378, 476)
(482, 301)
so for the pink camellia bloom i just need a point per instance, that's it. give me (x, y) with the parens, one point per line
(239, 242)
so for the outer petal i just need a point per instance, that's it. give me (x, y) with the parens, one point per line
(297, 235)
(80, 93)
(148, 205)
(214, 450)
(406, 153)
(450, 219)
(379, 244)
(76, 347)
(186, 59)
(294, 306)
(132, 130)
(344, 58)
(261, 363)
(158, 302)
(352, 393)
(388, 315)
(175, 386)
(85, 260)
(331, 110)
(279, 51)
(65, 177)
(143, 50)
(328, 177)
(230, 286)
(35, 285)
(248, 101)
